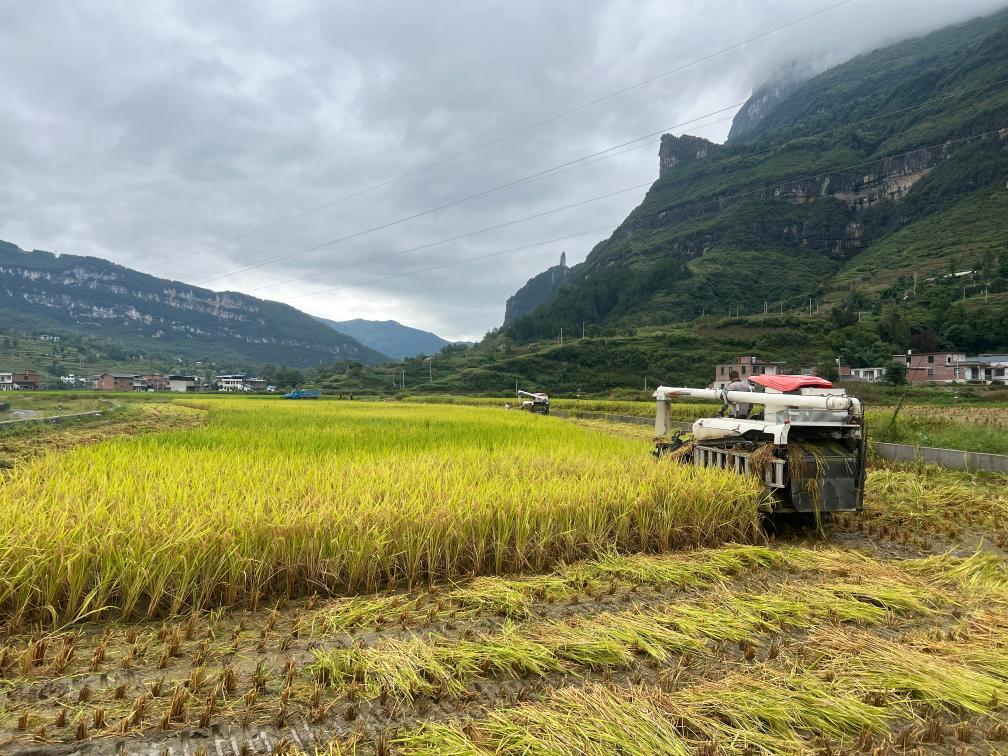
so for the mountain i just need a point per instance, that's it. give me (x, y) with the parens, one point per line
(389, 337)
(815, 196)
(91, 296)
(537, 291)
(852, 214)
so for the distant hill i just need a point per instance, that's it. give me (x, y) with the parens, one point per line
(143, 313)
(389, 337)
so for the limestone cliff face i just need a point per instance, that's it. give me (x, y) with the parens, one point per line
(87, 293)
(855, 189)
(682, 150)
(539, 290)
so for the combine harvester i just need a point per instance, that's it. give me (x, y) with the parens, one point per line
(536, 403)
(807, 445)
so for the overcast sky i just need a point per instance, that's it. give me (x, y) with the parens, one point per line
(148, 133)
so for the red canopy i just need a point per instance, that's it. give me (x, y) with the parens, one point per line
(791, 382)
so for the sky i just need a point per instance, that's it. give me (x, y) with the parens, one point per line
(165, 136)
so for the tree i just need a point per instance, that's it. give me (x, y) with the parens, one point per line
(827, 368)
(896, 374)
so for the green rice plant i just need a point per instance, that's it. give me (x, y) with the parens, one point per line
(273, 498)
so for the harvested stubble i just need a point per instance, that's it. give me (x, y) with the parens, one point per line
(768, 713)
(856, 685)
(274, 498)
(441, 665)
(914, 583)
(514, 597)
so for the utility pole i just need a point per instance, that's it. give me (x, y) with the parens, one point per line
(915, 283)
(561, 337)
(582, 330)
(403, 380)
(764, 308)
(810, 306)
(430, 368)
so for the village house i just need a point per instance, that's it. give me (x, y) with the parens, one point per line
(27, 380)
(985, 368)
(114, 382)
(151, 382)
(928, 367)
(183, 383)
(748, 366)
(868, 374)
(6, 381)
(239, 382)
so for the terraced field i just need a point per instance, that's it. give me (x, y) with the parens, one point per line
(634, 623)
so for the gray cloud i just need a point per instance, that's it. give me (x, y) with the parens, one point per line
(145, 132)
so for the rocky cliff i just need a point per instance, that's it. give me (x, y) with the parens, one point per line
(88, 294)
(538, 290)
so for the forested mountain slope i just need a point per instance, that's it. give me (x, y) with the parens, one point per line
(88, 295)
(844, 184)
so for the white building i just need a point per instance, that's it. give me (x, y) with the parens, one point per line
(6, 381)
(868, 375)
(240, 382)
(183, 383)
(233, 382)
(985, 368)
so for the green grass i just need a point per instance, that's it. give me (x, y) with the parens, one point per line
(938, 429)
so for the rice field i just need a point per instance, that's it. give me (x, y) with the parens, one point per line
(238, 577)
(276, 499)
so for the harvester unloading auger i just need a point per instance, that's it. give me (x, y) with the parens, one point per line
(807, 445)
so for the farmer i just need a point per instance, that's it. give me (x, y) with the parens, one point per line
(737, 384)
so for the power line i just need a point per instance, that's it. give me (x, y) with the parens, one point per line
(456, 238)
(510, 135)
(458, 262)
(587, 160)
(468, 198)
(315, 273)
(656, 214)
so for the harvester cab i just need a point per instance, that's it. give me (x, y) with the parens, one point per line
(807, 445)
(537, 403)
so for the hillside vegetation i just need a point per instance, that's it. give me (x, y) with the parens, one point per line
(91, 298)
(890, 165)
